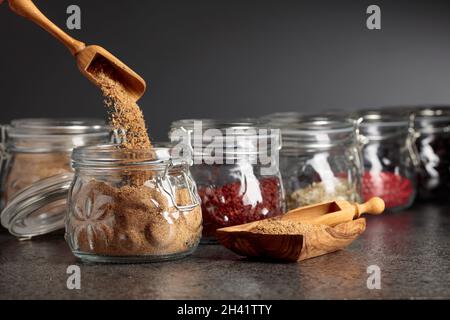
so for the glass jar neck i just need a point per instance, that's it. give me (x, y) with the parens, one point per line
(51, 135)
(212, 138)
(319, 133)
(383, 132)
(385, 125)
(46, 144)
(432, 120)
(157, 167)
(112, 157)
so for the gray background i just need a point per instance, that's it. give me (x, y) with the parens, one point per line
(231, 59)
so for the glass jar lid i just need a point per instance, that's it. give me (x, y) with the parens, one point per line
(38, 209)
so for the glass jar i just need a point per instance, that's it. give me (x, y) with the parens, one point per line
(236, 169)
(433, 144)
(390, 158)
(34, 149)
(36, 172)
(320, 160)
(130, 206)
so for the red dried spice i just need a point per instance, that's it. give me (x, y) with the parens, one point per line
(394, 189)
(226, 205)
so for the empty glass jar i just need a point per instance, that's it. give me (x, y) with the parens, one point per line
(390, 157)
(236, 169)
(320, 160)
(132, 206)
(433, 144)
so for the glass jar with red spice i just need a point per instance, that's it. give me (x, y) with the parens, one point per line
(390, 157)
(236, 168)
(320, 160)
(433, 144)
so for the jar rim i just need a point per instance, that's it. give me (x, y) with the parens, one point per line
(53, 127)
(383, 118)
(24, 216)
(321, 123)
(110, 155)
(432, 114)
(208, 123)
(235, 138)
(318, 132)
(282, 117)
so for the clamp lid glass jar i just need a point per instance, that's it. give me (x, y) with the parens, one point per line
(320, 160)
(39, 148)
(236, 169)
(132, 206)
(433, 144)
(32, 151)
(390, 157)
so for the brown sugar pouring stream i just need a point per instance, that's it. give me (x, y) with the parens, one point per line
(85, 55)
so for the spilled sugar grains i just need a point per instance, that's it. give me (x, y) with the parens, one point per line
(124, 112)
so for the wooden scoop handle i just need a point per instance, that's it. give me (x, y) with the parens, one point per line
(373, 206)
(27, 9)
(349, 212)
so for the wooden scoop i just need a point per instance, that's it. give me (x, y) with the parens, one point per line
(332, 228)
(335, 212)
(85, 56)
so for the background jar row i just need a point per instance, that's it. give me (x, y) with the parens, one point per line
(322, 158)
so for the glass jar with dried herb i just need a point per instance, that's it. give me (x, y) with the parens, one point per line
(237, 171)
(320, 160)
(132, 206)
(433, 144)
(390, 157)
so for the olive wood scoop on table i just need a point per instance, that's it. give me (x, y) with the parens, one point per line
(85, 55)
(332, 226)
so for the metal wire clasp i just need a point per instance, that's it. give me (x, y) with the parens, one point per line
(4, 157)
(168, 188)
(413, 135)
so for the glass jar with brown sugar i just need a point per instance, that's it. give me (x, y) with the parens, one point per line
(129, 206)
(36, 172)
(34, 149)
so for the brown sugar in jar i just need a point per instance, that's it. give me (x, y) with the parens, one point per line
(27, 168)
(114, 219)
(34, 149)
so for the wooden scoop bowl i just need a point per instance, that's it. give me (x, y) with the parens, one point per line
(333, 228)
(85, 55)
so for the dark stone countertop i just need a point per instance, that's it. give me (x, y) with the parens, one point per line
(412, 249)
